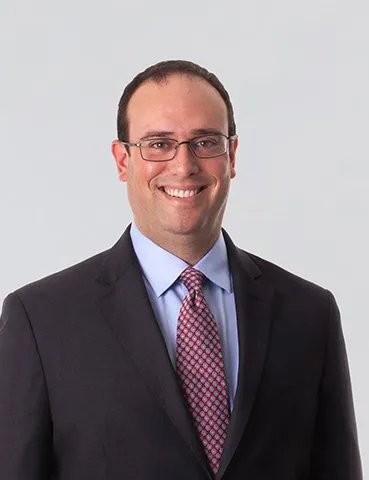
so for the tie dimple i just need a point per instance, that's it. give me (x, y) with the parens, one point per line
(192, 279)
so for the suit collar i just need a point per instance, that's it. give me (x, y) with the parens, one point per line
(117, 260)
(122, 255)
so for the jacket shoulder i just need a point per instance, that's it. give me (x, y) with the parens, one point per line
(282, 279)
(73, 278)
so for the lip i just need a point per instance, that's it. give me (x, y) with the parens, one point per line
(183, 187)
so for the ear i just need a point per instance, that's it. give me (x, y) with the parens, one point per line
(232, 155)
(120, 155)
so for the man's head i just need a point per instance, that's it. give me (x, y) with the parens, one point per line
(182, 198)
(160, 72)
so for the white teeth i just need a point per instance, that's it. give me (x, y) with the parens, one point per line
(174, 192)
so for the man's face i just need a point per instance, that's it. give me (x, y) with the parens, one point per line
(181, 106)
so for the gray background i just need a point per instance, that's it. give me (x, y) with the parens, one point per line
(298, 75)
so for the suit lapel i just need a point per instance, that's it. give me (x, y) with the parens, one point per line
(253, 306)
(127, 309)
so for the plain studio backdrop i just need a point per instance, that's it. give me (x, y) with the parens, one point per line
(298, 76)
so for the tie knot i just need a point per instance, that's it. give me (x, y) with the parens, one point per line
(192, 279)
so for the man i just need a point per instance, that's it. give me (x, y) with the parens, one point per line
(175, 355)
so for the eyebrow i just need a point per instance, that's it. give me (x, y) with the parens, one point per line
(156, 133)
(171, 134)
(207, 131)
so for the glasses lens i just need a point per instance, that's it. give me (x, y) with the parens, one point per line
(209, 146)
(158, 149)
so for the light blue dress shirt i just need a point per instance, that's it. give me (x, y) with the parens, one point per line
(161, 270)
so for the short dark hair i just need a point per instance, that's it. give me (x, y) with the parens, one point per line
(161, 71)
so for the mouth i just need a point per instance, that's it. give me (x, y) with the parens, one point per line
(181, 193)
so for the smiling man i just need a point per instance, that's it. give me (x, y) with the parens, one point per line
(178, 193)
(175, 354)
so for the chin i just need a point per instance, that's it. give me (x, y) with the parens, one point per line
(185, 228)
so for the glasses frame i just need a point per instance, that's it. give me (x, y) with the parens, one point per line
(230, 139)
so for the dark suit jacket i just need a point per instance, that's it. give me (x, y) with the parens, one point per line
(88, 391)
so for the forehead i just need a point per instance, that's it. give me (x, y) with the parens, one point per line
(178, 103)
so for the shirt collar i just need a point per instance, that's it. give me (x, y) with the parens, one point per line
(214, 265)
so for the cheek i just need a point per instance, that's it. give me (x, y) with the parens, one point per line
(141, 174)
(222, 172)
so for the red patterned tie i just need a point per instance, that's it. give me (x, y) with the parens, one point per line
(200, 367)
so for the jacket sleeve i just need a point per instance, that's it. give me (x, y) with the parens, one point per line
(335, 453)
(25, 424)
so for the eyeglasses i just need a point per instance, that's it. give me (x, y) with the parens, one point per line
(164, 149)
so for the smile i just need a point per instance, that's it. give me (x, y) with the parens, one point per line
(176, 192)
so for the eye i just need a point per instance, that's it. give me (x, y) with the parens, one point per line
(207, 142)
(157, 144)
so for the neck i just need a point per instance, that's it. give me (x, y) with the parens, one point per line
(190, 248)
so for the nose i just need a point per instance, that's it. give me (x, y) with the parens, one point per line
(185, 162)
